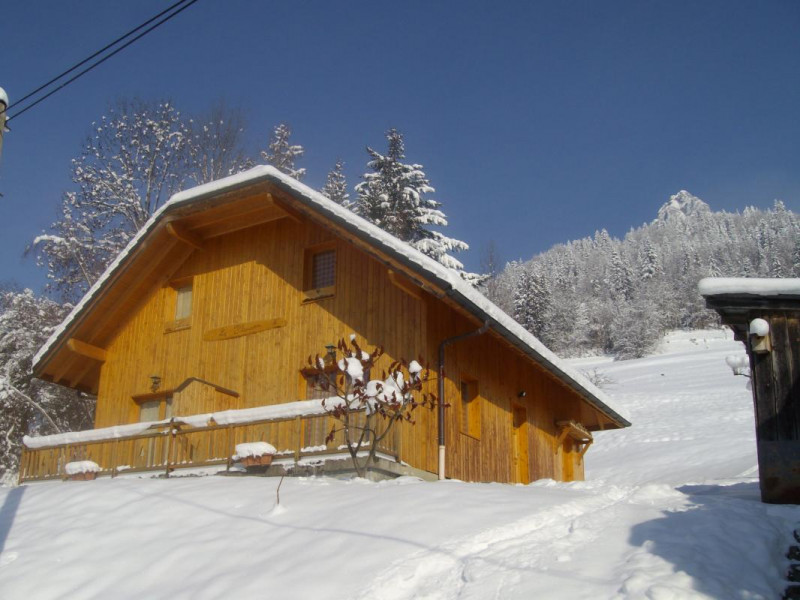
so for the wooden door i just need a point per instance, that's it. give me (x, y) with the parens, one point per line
(519, 441)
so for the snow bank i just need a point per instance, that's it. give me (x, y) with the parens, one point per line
(253, 449)
(81, 466)
(713, 286)
(671, 511)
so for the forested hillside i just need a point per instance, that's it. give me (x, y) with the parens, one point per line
(605, 295)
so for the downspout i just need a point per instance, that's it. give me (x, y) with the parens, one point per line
(447, 342)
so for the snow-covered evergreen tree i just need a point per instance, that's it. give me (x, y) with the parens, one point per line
(394, 196)
(626, 292)
(30, 405)
(335, 187)
(282, 154)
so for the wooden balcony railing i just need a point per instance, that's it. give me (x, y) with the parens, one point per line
(167, 447)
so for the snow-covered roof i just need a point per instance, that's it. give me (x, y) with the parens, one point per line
(718, 286)
(427, 268)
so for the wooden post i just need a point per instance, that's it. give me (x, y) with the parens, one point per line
(23, 463)
(298, 423)
(170, 444)
(114, 457)
(230, 444)
(65, 459)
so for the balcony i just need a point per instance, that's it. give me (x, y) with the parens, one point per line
(297, 430)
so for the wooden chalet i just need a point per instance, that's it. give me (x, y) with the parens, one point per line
(216, 304)
(765, 315)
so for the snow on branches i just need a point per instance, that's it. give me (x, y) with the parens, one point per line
(282, 154)
(394, 197)
(29, 405)
(335, 187)
(133, 160)
(367, 409)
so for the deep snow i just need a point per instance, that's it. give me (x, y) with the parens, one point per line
(669, 510)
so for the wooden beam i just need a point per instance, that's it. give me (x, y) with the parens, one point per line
(575, 430)
(60, 376)
(291, 214)
(259, 216)
(182, 234)
(585, 448)
(241, 329)
(86, 350)
(405, 284)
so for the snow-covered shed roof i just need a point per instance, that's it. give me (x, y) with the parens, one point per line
(421, 265)
(746, 286)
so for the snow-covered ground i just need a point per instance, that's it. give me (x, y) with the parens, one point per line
(669, 510)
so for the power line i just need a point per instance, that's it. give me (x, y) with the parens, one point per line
(186, 4)
(98, 53)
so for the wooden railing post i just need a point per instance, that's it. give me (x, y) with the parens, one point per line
(23, 463)
(299, 437)
(114, 465)
(231, 439)
(170, 443)
(65, 458)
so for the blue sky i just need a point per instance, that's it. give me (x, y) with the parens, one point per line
(537, 122)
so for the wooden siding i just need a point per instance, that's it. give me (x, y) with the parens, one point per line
(775, 379)
(256, 274)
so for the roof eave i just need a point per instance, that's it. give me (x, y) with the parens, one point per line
(477, 311)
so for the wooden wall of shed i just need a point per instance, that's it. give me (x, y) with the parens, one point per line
(776, 378)
(257, 274)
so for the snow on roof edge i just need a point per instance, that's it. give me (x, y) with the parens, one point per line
(414, 258)
(754, 286)
(181, 197)
(457, 284)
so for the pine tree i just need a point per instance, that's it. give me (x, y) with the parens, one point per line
(621, 279)
(335, 187)
(796, 258)
(282, 154)
(648, 263)
(394, 197)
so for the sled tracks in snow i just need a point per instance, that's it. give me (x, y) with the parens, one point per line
(510, 561)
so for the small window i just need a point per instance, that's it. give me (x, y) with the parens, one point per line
(319, 278)
(323, 269)
(183, 302)
(470, 408)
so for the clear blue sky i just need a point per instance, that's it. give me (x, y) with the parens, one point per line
(537, 122)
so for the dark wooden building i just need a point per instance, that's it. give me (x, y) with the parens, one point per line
(765, 315)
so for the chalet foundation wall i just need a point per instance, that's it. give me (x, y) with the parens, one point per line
(341, 467)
